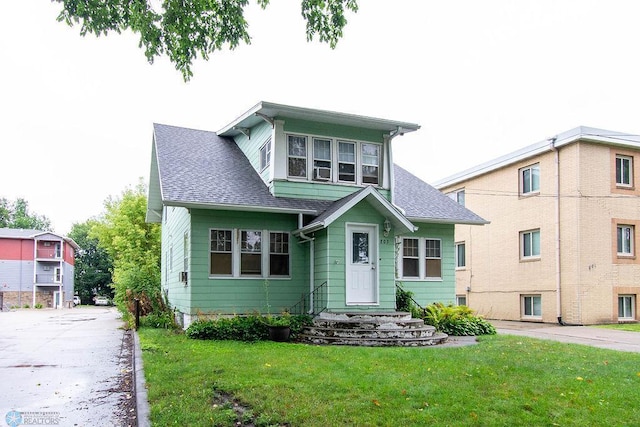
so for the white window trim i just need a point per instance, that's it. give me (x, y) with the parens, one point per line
(455, 196)
(331, 161)
(458, 297)
(335, 160)
(630, 160)
(266, 148)
(633, 307)
(422, 258)
(522, 306)
(236, 250)
(631, 240)
(458, 266)
(522, 237)
(521, 179)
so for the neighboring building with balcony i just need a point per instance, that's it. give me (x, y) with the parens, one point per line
(36, 267)
(564, 220)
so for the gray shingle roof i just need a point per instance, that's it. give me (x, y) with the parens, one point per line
(200, 167)
(420, 201)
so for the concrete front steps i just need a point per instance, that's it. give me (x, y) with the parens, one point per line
(371, 329)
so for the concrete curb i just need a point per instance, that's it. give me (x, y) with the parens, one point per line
(142, 402)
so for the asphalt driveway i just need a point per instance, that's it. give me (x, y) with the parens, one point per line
(68, 367)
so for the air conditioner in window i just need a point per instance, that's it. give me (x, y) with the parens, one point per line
(322, 174)
(184, 275)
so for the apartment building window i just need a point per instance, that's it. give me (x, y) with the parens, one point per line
(410, 258)
(265, 155)
(278, 254)
(626, 307)
(461, 261)
(625, 240)
(370, 163)
(321, 159)
(457, 196)
(530, 244)
(530, 179)
(461, 300)
(221, 256)
(297, 164)
(531, 306)
(433, 258)
(624, 171)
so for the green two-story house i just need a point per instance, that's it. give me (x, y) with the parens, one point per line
(293, 207)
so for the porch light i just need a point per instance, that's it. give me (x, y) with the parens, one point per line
(387, 227)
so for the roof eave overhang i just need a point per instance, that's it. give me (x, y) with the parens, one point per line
(449, 221)
(236, 207)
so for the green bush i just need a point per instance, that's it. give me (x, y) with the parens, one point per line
(240, 328)
(160, 320)
(457, 320)
(404, 300)
(38, 305)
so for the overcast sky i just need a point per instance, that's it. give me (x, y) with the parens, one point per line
(482, 78)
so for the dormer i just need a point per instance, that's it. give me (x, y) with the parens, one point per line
(316, 154)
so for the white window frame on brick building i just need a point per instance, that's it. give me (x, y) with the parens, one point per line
(530, 244)
(530, 179)
(626, 307)
(624, 171)
(531, 306)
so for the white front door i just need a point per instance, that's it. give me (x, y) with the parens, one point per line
(362, 264)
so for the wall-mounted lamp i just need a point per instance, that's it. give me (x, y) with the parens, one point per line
(387, 227)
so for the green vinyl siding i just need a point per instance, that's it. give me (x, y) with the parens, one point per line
(251, 146)
(429, 291)
(332, 248)
(176, 222)
(317, 191)
(243, 295)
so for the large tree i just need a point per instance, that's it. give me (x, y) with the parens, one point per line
(16, 215)
(93, 264)
(184, 29)
(134, 247)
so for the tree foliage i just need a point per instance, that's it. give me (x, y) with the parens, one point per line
(16, 215)
(184, 29)
(93, 265)
(134, 247)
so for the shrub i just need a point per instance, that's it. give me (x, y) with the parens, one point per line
(38, 305)
(160, 320)
(457, 320)
(26, 306)
(240, 328)
(404, 300)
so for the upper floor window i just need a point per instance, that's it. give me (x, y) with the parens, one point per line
(624, 171)
(530, 179)
(346, 161)
(625, 240)
(370, 163)
(297, 163)
(461, 261)
(265, 155)
(530, 244)
(457, 196)
(321, 159)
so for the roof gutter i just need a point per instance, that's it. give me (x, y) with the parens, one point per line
(233, 207)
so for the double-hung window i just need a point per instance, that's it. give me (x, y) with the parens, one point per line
(530, 179)
(461, 261)
(321, 159)
(457, 196)
(265, 155)
(625, 240)
(370, 163)
(297, 155)
(624, 171)
(410, 258)
(531, 306)
(278, 254)
(221, 262)
(530, 244)
(433, 255)
(250, 253)
(346, 161)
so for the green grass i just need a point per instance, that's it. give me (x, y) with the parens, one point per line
(632, 327)
(502, 381)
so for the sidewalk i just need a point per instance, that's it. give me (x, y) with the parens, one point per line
(587, 335)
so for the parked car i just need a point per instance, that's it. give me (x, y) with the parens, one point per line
(102, 301)
(76, 300)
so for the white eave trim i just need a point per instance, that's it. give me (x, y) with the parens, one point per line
(245, 208)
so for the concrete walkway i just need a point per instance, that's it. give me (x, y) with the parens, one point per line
(587, 335)
(65, 367)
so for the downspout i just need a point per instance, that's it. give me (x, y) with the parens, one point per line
(557, 220)
(389, 138)
(306, 238)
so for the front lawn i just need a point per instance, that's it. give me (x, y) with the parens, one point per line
(504, 380)
(632, 327)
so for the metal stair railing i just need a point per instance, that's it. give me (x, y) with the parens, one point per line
(422, 309)
(319, 294)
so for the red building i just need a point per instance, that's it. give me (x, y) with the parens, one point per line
(36, 267)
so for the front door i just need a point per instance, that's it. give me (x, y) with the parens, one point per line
(362, 264)
(56, 299)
